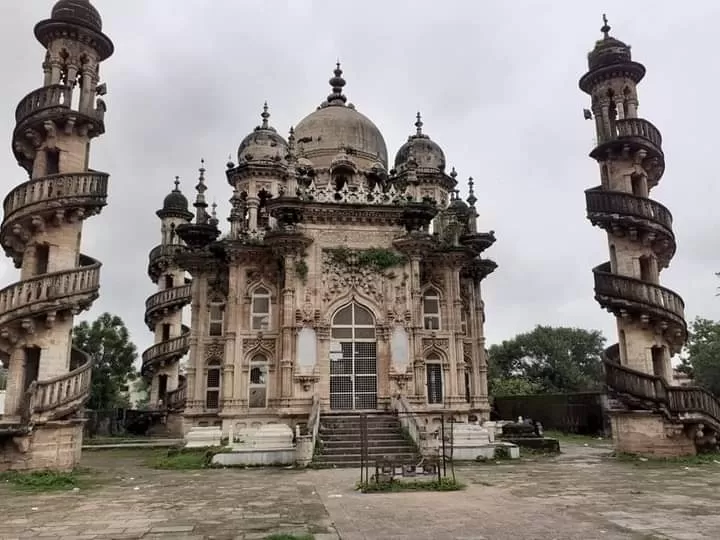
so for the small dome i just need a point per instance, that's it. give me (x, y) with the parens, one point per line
(175, 204)
(608, 51)
(263, 144)
(426, 152)
(335, 126)
(77, 12)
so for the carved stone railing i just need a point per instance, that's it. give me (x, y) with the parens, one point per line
(636, 128)
(409, 422)
(682, 403)
(633, 290)
(601, 201)
(361, 194)
(47, 97)
(160, 256)
(175, 399)
(167, 298)
(49, 288)
(88, 188)
(314, 419)
(70, 388)
(165, 350)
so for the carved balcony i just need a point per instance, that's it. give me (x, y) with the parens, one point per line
(161, 257)
(166, 351)
(55, 96)
(42, 202)
(61, 396)
(160, 303)
(627, 295)
(638, 133)
(175, 399)
(49, 294)
(615, 211)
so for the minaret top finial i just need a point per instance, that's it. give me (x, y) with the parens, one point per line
(471, 200)
(419, 123)
(606, 27)
(265, 116)
(337, 83)
(177, 184)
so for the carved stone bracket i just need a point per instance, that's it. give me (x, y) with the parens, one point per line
(306, 380)
(401, 379)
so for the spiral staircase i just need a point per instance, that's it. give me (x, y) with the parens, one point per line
(629, 151)
(158, 308)
(30, 308)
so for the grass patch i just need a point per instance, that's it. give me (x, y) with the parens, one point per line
(44, 481)
(394, 486)
(181, 459)
(290, 537)
(712, 458)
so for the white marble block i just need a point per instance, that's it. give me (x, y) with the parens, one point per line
(201, 437)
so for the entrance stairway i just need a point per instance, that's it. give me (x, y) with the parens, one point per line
(339, 440)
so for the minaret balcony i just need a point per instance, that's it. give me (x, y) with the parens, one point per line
(637, 133)
(166, 351)
(160, 303)
(161, 258)
(53, 100)
(36, 203)
(624, 295)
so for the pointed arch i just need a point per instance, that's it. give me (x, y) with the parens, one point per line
(356, 297)
(431, 311)
(261, 308)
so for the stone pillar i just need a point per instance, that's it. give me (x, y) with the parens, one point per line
(382, 334)
(287, 323)
(253, 204)
(323, 366)
(416, 348)
(15, 383)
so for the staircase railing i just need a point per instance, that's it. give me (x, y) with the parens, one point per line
(408, 419)
(175, 399)
(314, 419)
(678, 401)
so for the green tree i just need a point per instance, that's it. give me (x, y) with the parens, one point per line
(547, 360)
(107, 341)
(702, 354)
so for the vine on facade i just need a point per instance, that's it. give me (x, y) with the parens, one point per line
(379, 259)
(301, 269)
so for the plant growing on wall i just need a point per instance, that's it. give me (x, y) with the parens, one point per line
(379, 259)
(301, 269)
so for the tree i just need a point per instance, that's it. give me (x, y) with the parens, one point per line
(702, 354)
(547, 360)
(107, 341)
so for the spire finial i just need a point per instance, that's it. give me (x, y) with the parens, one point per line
(201, 188)
(606, 27)
(453, 173)
(337, 83)
(177, 184)
(471, 200)
(419, 123)
(265, 115)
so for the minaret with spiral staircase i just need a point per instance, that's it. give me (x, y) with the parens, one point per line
(649, 415)
(49, 379)
(164, 309)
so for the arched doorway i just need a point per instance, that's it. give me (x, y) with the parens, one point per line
(353, 359)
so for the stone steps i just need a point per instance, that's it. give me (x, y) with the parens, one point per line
(340, 438)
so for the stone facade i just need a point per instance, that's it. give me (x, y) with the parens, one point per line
(49, 379)
(341, 277)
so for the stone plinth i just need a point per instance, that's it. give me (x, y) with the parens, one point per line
(202, 437)
(471, 441)
(641, 432)
(51, 446)
(270, 444)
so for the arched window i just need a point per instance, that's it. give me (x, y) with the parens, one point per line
(212, 385)
(216, 319)
(353, 359)
(431, 310)
(260, 309)
(433, 370)
(258, 382)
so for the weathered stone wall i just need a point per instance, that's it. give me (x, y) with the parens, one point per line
(55, 445)
(645, 433)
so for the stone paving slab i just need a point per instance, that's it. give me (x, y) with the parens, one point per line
(581, 495)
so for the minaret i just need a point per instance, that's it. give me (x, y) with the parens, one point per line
(43, 223)
(164, 309)
(650, 318)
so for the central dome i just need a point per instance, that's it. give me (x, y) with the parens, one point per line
(335, 126)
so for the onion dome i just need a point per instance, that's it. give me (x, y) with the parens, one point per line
(263, 144)
(336, 125)
(175, 204)
(77, 12)
(608, 50)
(426, 152)
(458, 207)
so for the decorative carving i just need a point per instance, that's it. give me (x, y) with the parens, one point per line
(218, 285)
(307, 381)
(401, 379)
(214, 349)
(259, 342)
(342, 275)
(436, 343)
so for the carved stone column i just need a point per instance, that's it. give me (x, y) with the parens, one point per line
(15, 383)
(323, 385)
(288, 320)
(382, 333)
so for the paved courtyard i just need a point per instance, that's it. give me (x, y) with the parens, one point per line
(581, 495)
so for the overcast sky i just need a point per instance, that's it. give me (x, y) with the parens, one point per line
(497, 86)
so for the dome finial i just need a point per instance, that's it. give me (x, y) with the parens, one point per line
(201, 214)
(337, 83)
(419, 123)
(471, 200)
(177, 184)
(606, 27)
(265, 116)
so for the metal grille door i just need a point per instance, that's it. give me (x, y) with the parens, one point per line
(353, 360)
(434, 383)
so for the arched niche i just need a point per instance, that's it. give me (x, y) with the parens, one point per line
(306, 350)
(399, 349)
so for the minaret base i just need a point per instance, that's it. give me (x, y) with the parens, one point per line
(53, 446)
(650, 434)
